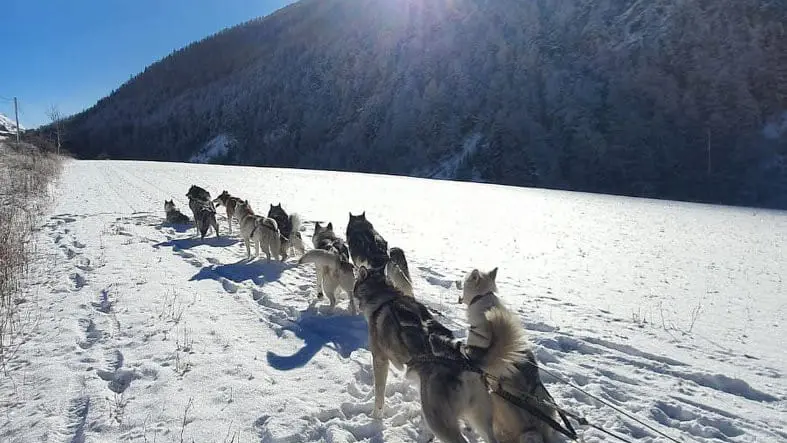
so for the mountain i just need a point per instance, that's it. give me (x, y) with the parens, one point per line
(656, 98)
(8, 127)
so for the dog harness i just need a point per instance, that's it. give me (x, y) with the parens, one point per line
(479, 297)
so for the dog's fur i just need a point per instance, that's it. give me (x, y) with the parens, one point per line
(369, 248)
(489, 319)
(197, 193)
(203, 210)
(262, 231)
(400, 331)
(229, 202)
(332, 272)
(174, 216)
(326, 240)
(290, 229)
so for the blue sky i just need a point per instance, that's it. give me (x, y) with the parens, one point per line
(73, 52)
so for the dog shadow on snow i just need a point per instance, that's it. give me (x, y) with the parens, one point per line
(259, 271)
(342, 332)
(180, 228)
(191, 242)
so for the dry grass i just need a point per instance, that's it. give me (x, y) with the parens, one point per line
(26, 177)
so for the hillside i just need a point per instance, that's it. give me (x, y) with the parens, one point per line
(667, 98)
(8, 127)
(138, 331)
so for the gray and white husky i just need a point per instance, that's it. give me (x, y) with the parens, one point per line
(203, 210)
(401, 332)
(262, 231)
(229, 202)
(369, 248)
(290, 229)
(332, 261)
(487, 318)
(174, 216)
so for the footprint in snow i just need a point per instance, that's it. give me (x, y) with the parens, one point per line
(84, 264)
(77, 280)
(73, 427)
(117, 378)
(91, 334)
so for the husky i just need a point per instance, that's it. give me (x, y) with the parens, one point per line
(229, 202)
(203, 210)
(335, 265)
(262, 231)
(290, 228)
(325, 238)
(401, 332)
(368, 248)
(174, 216)
(332, 272)
(197, 193)
(485, 314)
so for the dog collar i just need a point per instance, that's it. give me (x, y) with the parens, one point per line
(479, 297)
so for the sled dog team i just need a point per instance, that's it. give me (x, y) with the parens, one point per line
(455, 377)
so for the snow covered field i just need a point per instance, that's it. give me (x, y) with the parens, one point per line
(673, 312)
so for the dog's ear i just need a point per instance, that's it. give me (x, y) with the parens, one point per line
(474, 275)
(363, 215)
(330, 226)
(363, 273)
(493, 274)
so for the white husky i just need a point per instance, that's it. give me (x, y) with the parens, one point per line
(485, 316)
(262, 231)
(333, 273)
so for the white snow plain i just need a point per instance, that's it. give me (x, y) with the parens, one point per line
(670, 311)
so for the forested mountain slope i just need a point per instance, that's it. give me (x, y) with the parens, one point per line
(663, 98)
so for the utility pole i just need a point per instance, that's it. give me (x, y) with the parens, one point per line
(16, 114)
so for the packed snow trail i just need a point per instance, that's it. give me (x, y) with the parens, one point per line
(670, 311)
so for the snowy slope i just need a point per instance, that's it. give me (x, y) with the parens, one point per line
(145, 334)
(216, 147)
(8, 127)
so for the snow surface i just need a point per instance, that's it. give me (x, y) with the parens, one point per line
(146, 334)
(216, 147)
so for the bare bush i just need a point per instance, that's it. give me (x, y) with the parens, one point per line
(26, 174)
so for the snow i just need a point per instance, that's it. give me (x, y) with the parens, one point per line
(218, 146)
(7, 127)
(448, 167)
(145, 333)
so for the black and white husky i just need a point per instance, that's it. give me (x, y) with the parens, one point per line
(369, 248)
(203, 210)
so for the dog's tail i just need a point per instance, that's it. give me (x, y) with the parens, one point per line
(320, 257)
(399, 278)
(397, 256)
(508, 343)
(295, 222)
